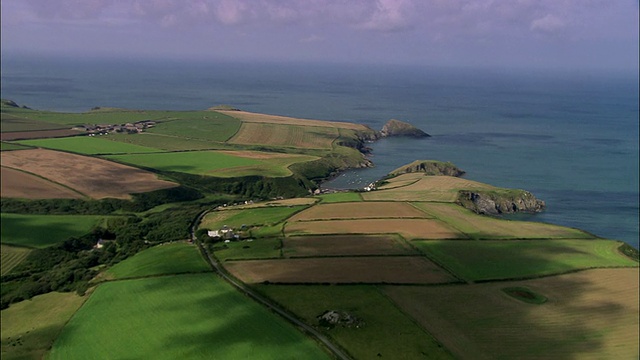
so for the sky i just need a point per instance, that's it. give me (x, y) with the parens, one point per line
(582, 34)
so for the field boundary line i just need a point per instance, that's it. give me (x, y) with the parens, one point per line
(49, 180)
(436, 262)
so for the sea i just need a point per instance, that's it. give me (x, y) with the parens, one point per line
(568, 136)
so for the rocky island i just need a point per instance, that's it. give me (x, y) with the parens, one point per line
(395, 127)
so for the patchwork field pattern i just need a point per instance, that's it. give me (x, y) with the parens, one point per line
(426, 188)
(343, 270)
(408, 228)
(485, 227)
(217, 163)
(18, 184)
(283, 120)
(89, 145)
(591, 314)
(344, 245)
(198, 316)
(360, 210)
(93, 177)
(495, 259)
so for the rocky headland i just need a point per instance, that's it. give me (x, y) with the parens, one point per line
(498, 202)
(395, 127)
(429, 167)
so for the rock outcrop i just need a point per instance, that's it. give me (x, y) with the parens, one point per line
(429, 167)
(395, 127)
(500, 202)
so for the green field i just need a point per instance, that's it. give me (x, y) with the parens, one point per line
(18, 122)
(486, 227)
(250, 217)
(39, 231)
(385, 333)
(11, 256)
(340, 197)
(30, 327)
(89, 145)
(176, 317)
(204, 125)
(490, 260)
(166, 142)
(173, 258)
(4, 146)
(117, 116)
(241, 250)
(192, 162)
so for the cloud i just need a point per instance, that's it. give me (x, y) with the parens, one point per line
(312, 39)
(547, 23)
(388, 15)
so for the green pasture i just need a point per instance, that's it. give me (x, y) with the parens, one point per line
(196, 316)
(39, 231)
(172, 258)
(89, 145)
(204, 125)
(267, 231)
(117, 116)
(340, 197)
(166, 142)
(385, 333)
(192, 162)
(486, 227)
(514, 259)
(250, 217)
(4, 146)
(266, 248)
(16, 121)
(10, 257)
(30, 327)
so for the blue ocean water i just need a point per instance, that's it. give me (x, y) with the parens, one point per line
(570, 138)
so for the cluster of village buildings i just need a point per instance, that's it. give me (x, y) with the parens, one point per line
(130, 128)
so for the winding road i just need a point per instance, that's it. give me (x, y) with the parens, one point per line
(215, 265)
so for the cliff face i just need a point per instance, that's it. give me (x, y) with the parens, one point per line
(500, 202)
(430, 167)
(399, 128)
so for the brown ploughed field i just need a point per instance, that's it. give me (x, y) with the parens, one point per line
(342, 245)
(381, 269)
(17, 184)
(360, 210)
(94, 177)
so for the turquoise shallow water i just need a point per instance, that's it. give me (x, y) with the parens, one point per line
(571, 139)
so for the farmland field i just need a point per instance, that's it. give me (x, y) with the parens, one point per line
(89, 145)
(285, 135)
(486, 227)
(267, 248)
(40, 231)
(340, 197)
(283, 120)
(183, 316)
(256, 216)
(204, 125)
(18, 184)
(30, 327)
(166, 142)
(10, 257)
(427, 188)
(359, 210)
(591, 314)
(22, 135)
(409, 228)
(173, 258)
(15, 122)
(4, 146)
(215, 163)
(342, 245)
(345, 270)
(485, 260)
(386, 332)
(96, 178)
